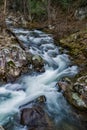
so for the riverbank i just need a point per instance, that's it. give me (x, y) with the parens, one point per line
(15, 59)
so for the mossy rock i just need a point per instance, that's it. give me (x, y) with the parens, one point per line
(11, 63)
(38, 58)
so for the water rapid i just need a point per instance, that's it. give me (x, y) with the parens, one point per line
(56, 67)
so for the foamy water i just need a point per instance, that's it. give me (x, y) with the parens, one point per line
(56, 67)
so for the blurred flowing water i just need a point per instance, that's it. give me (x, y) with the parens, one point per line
(56, 67)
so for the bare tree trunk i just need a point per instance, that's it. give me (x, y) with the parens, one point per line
(4, 17)
(49, 12)
(4, 12)
(5, 3)
(29, 9)
(24, 7)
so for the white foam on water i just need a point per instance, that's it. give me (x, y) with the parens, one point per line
(43, 84)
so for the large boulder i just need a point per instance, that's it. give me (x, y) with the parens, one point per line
(75, 93)
(12, 60)
(35, 118)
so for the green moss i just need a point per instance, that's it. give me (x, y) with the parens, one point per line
(76, 45)
(11, 63)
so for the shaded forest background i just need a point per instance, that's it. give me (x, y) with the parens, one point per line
(41, 10)
(54, 14)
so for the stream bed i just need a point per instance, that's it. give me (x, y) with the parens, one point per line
(13, 96)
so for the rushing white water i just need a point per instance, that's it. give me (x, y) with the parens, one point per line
(56, 67)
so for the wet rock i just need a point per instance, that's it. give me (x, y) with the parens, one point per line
(79, 102)
(62, 85)
(75, 93)
(35, 119)
(29, 57)
(12, 60)
(41, 99)
(1, 128)
(37, 62)
(81, 13)
(81, 85)
(78, 88)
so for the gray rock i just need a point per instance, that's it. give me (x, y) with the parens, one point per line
(12, 60)
(75, 93)
(37, 62)
(81, 13)
(1, 128)
(79, 102)
(37, 57)
(35, 118)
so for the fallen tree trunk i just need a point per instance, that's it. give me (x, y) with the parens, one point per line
(17, 39)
